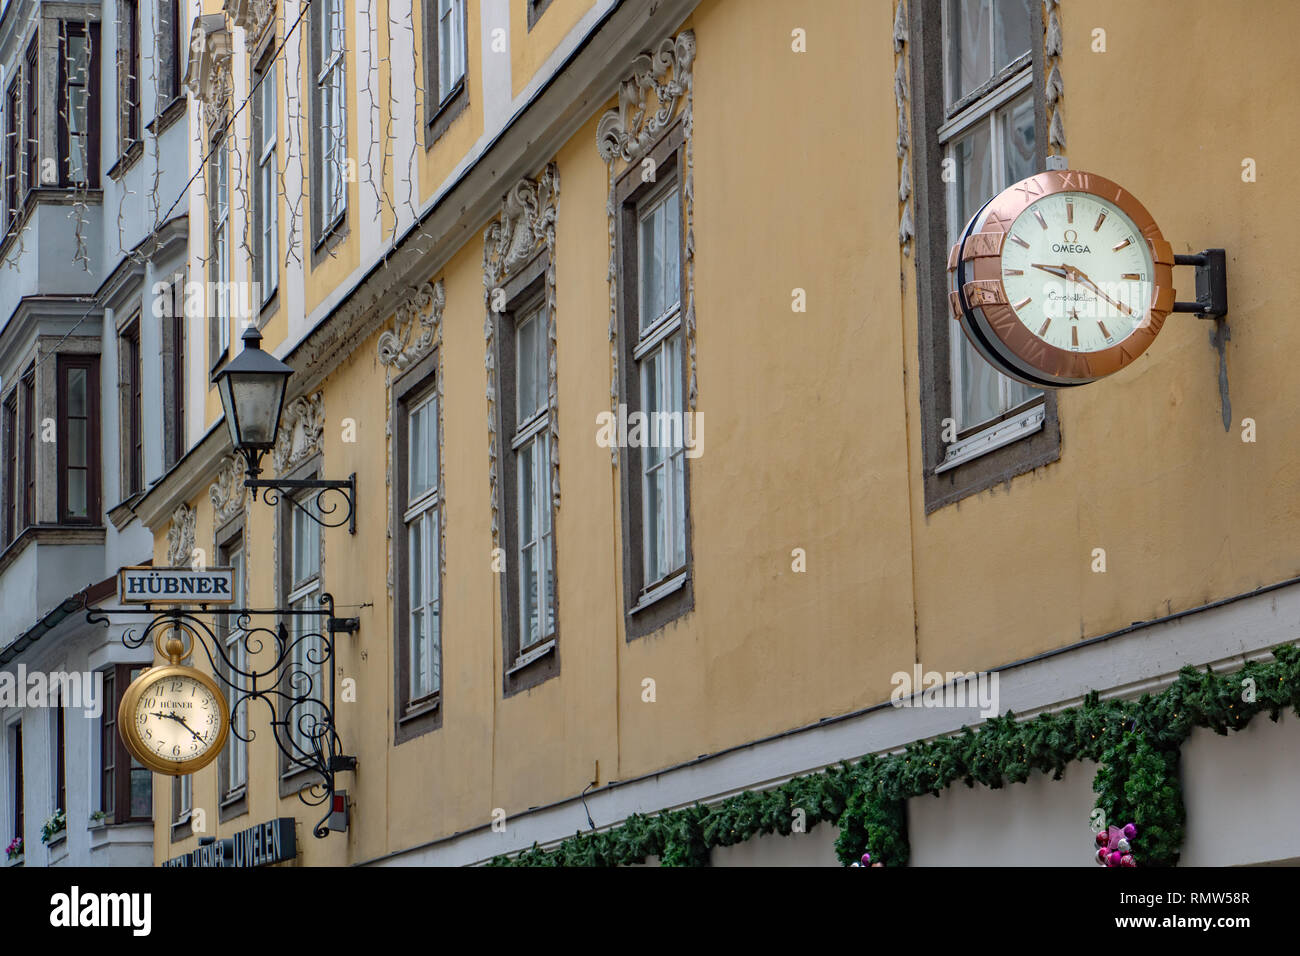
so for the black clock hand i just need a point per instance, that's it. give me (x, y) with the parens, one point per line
(182, 722)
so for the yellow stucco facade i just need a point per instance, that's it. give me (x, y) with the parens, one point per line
(813, 451)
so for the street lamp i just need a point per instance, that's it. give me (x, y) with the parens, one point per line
(252, 388)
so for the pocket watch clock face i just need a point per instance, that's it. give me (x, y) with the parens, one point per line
(1061, 279)
(175, 720)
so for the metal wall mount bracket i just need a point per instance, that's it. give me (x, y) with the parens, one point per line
(1211, 284)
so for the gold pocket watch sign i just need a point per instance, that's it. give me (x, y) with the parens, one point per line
(174, 718)
(1061, 279)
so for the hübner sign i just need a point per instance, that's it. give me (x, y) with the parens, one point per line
(270, 842)
(175, 586)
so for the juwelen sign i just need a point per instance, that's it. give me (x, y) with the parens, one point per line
(148, 585)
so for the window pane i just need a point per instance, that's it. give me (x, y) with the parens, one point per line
(77, 392)
(415, 454)
(968, 25)
(526, 367)
(974, 168)
(1011, 30)
(651, 401)
(651, 278)
(1018, 141)
(981, 397)
(141, 791)
(679, 509)
(527, 491)
(672, 247)
(76, 443)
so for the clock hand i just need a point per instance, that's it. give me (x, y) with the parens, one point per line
(179, 719)
(1062, 270)
(1079, 276)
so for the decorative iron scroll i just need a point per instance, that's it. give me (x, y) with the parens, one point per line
(302, 713)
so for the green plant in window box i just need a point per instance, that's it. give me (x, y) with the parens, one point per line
(98, 819)
(14, 851)
(55, 825)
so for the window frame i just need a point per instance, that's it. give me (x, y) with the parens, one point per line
(27, 412)
(218, 174)
(59, 730)
(90, 30)
(117, 677)
(442, 106)
(525, 298)
(32, 115)
(417, 385)
(17, 790)
(265, 197)
(232, 798)
(9, 434)
(327, 221)
(14, 150)
(173, 368)
(129, 87)
(649, 608)
(131, 416)
(170, 48)
(930, 110)
(66, 363)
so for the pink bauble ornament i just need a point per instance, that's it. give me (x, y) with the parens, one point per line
(1102, 855)
(1101, 838)
(866, 859)
(1127, 860)
(1115, 857)
(1130, 830)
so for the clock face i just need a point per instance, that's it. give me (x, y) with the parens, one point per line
(177, 720)
(1061, 279)
(1077, 272)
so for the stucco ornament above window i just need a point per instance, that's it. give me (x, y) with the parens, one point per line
(302, 427)
(626, 133)
(180, 537)
(524, 227)
(228, 493)
(207, 75)
(251, 15)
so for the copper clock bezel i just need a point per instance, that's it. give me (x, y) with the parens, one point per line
(980, 302)
(130, 736)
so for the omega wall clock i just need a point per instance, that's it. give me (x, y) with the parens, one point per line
(174, 718)
(1061, 279)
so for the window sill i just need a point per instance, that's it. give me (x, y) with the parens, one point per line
(181, 829)
(233, 804)
(535, 654)
(15, 860)
(1020, 425)
(129, 157)
(660, 591)
(167, 115)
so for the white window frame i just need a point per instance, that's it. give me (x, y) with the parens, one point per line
(422, 519)
(266, 192)
(654, 338)
(450, 23)
(1021, 419)
(219, 241)
(331, 158)
(301, 592)
(535, 432)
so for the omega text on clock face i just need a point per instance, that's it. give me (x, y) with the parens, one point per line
(1077, 272)
(177, 718)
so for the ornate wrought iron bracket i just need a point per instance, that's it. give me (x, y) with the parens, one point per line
(298, 687)
(1211, 284)
(316, 506)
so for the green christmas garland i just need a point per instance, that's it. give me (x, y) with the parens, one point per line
(1136, 743)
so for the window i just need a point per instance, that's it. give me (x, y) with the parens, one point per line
(303, 588)
(182, 806)
(446, 44)
(234, 762)
(60, 755)
(28, 390)
(422, 540)
(78, 439)
(170, 52)
(33, 115)
(128, 74)
(980, 119)
(535, 10)
(218, 251)
(125, 785)
(79, 104)
(266, 243)
(129, 376)
(533, 557)
(16, 776)
(654, 476)
(13, 153)
(329, 131)
(9, 530)
(173, 370)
